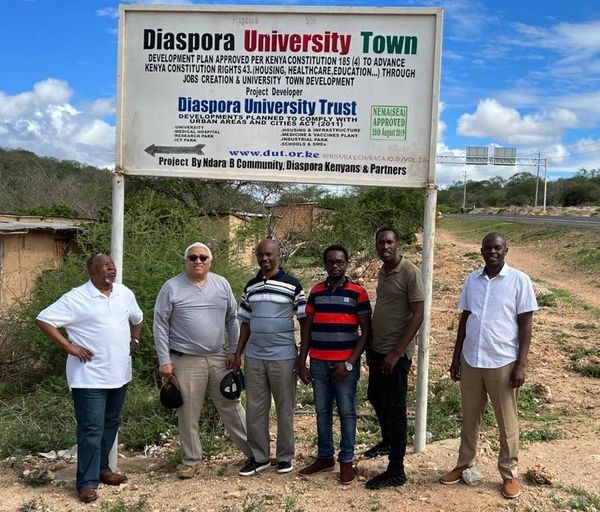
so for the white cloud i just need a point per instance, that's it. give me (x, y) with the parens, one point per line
(493, 120)
(108, 12)
(45, 121)
(99, 108)
(587, 105)
(566, 38)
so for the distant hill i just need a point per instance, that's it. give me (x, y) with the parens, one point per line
(33, 184)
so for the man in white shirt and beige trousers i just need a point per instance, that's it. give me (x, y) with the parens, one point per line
(490, 357)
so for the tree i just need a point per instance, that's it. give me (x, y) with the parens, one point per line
(353, 219)
(28, 182)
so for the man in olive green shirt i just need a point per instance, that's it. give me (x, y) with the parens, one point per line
(396, 319)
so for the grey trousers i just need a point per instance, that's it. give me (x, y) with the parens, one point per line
(263, 379)
(196, 375)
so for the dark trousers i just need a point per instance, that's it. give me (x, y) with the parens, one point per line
(387, 394)
(97, 412)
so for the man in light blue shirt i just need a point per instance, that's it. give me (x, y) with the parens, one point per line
(269, 303)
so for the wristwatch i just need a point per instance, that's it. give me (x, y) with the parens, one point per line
(349, 366)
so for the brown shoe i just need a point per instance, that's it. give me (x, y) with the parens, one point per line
(88, 494)
(184, 471)
(346, 472)
(110, 478)
(511, 488)
(317, 466)
(454, 476)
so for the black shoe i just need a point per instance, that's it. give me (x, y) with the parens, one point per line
(252, 467)
(378, 450)
(284, 467)
(386, 479)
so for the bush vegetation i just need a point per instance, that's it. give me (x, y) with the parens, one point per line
(161, 218)
(35, 408)
(520, 188)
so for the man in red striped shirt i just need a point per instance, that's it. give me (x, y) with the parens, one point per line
(337, 310)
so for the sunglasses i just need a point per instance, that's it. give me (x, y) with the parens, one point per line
(201, 257)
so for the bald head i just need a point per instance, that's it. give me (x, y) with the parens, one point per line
(267, 256)
(102, 271)
(493, 250)
(492, 236)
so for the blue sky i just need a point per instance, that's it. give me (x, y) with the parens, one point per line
(522, 74)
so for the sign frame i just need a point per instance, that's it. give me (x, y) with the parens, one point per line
(125, 138)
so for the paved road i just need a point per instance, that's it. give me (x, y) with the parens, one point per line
(567, 221)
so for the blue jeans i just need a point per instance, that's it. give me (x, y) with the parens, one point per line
(325, 390)
(97, 412)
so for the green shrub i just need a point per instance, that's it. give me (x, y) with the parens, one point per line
(444, 414)
(145, 421)
(540, 434)
(38, 421)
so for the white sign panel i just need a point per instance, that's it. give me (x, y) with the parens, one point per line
(293, 94)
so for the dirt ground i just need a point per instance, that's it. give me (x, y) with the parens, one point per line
(573, 461)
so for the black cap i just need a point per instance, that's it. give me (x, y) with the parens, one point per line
(232, 385)
(170, 396)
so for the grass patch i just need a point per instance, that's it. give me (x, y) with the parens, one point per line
(530, 410)
(261, 503)
(578, 500)
(580, 352)
(543, 434)
(304, 396)
(472, 255)
(120, 505)
(444, 410)
(144, 421)
(34, 505)
(44, 420)
(560, 338)
(444, 414)
(586, 361)
(581, 326)
(39, 421)
(556, 297)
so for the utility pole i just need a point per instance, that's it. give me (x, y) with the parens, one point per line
(545, 182)
(464, 206)
(537, 180)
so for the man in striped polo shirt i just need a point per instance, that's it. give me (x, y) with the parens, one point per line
(266, 315)
(335, 311)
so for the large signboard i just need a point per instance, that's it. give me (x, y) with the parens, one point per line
(310, 95)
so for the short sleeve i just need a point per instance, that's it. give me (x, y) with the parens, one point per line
(416, 293)
(58, 314)
(135, 313)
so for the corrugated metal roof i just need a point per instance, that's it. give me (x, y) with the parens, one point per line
(11, 227)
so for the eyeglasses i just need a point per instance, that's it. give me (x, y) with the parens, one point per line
(201, 257)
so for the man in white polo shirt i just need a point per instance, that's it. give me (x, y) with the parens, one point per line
(103, 323)
(490, 357)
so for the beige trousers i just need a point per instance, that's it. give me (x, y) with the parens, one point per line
(476, 385)
(196, 375)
